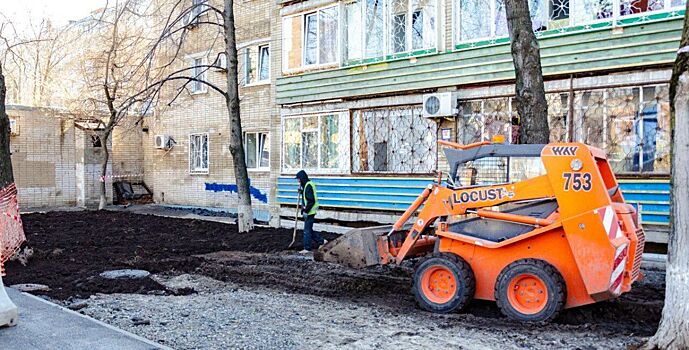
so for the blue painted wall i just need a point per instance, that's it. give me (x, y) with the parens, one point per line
(396, 194)
(232, 188)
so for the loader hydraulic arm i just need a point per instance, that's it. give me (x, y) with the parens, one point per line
(440, 201)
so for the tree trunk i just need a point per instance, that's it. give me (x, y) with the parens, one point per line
(673, 332)
(6, 174)
(245, 216)
(530, 93)
(104, 137)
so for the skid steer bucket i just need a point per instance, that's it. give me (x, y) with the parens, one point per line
(357, 248)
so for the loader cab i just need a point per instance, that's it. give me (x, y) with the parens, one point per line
(493, 164)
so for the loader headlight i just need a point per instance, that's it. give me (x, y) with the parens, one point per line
(576, 164)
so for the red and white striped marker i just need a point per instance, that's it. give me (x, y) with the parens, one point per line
(610, 222)
(618, 269)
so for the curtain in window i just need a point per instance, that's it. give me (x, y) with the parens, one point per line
(250, 151)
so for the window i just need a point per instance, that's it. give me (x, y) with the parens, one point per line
(313, 142)
(393, 140)
(198, 153)
(311, 39)
(198, 73)
(197, 9)
(483, 119)
(632, 124)
(257, 149)
(410, 26)
(263, 63)
(96, 141)
(545, 14)
(255, 65)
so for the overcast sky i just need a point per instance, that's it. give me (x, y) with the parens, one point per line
(59, 11)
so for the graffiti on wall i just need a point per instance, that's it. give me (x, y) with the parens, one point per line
(232, 188)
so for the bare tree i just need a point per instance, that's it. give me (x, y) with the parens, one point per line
(673, 332)
(530, 92)
(111, 83)
(174, 33)
(35, 72)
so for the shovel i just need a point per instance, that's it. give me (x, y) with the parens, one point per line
(296, 220)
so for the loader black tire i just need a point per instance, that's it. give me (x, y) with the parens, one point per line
(454, 294)
(521, 286)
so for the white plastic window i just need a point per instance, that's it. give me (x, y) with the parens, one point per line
(257, 150)
(199, 74)
(375, 28)
(312, 142)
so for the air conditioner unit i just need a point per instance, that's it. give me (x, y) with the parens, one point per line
(163, 142)
(221, 62)
(14, 127)
(437, 105)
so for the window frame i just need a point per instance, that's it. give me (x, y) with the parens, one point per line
(198, 87)
(259, 64)
(341, 168)
(200, 171)
(574, 8)
(338, 46)
(259, 151)
(388, 31)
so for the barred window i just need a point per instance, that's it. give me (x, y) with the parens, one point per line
(394, 140)
(632, 124)
(198, 153)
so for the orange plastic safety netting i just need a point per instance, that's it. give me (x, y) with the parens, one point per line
(11, 228)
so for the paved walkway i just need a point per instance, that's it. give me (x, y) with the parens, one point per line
(44, 325)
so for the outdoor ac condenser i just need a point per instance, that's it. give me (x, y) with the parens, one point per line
(437, 105)
(163, 142)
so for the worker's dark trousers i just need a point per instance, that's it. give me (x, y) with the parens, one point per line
(309, 235)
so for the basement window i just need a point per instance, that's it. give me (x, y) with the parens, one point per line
(198, 153)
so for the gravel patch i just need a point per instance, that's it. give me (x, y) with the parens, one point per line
(226, 316)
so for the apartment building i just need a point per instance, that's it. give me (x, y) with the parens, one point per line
(187, 161)
(367, 87)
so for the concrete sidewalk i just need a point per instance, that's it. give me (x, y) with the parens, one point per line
(44, 325)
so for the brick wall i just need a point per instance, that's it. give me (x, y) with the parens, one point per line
(54, 162)
(167, 171)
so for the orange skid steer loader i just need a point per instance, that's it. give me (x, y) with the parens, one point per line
(537, 228)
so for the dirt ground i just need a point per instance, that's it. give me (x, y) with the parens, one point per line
(72, 248)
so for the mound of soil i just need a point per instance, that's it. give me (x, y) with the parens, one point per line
(72, 248)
